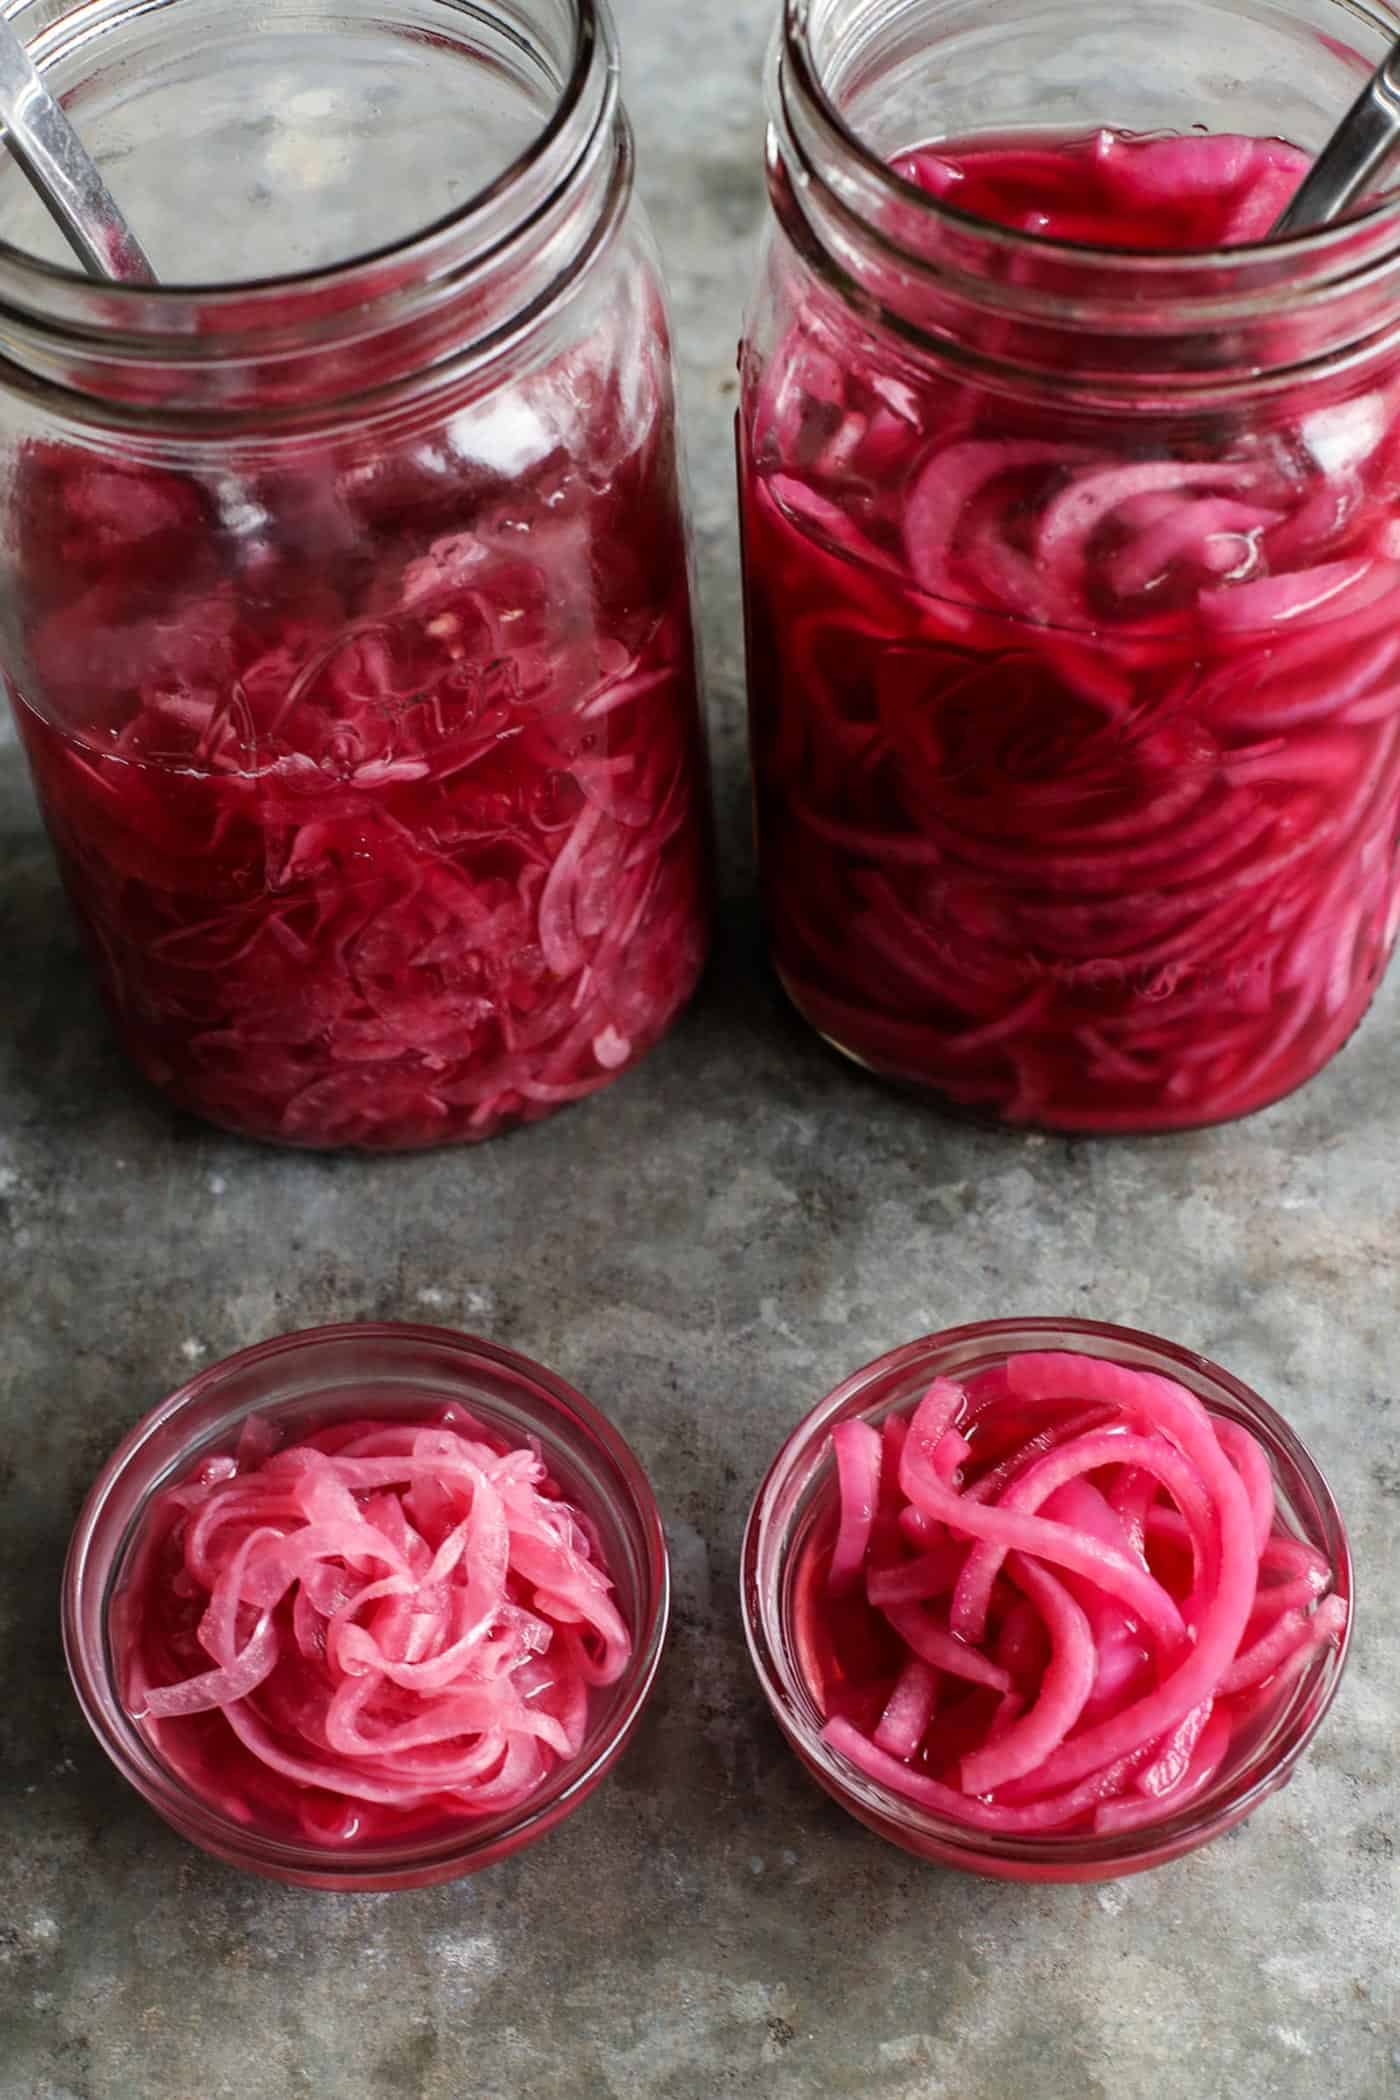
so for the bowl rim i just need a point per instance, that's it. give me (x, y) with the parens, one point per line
(413, 1862)
(1222, 1804)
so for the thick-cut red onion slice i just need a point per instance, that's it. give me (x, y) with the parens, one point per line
(1064, 1689)
(1174, 1753)
(1250, 1463)
(1043, 1700)
(1077, 779)
(988, 1486)
(1131, 1496)
(857, 1447)
(1161, 1404)
(1295, 1632)
(1122, 1654)
(942, 1650)
(1009, 1528)
(1056, 1812)
(1210, 1753)
(909, 1709)
(915, 1581)
(1069, 1461)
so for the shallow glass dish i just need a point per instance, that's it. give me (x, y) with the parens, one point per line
(798, 1491)
(305, 1380)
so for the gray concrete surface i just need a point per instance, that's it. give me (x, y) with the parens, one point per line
(703, 1250)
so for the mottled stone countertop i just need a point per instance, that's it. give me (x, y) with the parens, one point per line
(703, 1250)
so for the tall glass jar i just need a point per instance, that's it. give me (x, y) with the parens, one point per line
(346, 613)
(1073, 572)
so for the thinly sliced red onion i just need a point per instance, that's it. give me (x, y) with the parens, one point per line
(216, 1688)
(406, 1617)
(356, 840)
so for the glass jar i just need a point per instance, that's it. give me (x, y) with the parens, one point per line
(1068, 824)
(347, 615)
(797, 1492)
(291, 1385)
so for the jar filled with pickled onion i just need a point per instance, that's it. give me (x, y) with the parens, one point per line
(347, 621)
(1071, 508)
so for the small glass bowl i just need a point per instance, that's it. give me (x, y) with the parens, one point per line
(312, 1375)
(796, 1492)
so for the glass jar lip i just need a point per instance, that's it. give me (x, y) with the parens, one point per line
(1362, 233)
(134, 305)
(1087, 1855)
(556, 1406)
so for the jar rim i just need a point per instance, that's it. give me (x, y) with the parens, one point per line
(446, 305)
(147, 1458)
(1308, 243)
(765, 1560)
(1165, 328)
(593, 39)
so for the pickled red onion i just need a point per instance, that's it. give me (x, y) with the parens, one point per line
(1091, 1668)
(857, 1448)
(1064, 1688)
(404, 1619)
(904, 1722)
(382, 808)
(1013, 646)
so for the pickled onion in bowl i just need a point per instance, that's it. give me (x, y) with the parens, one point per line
(1041, 1612)
(367, 1606)
(378, 1630)
(1196, 1596)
